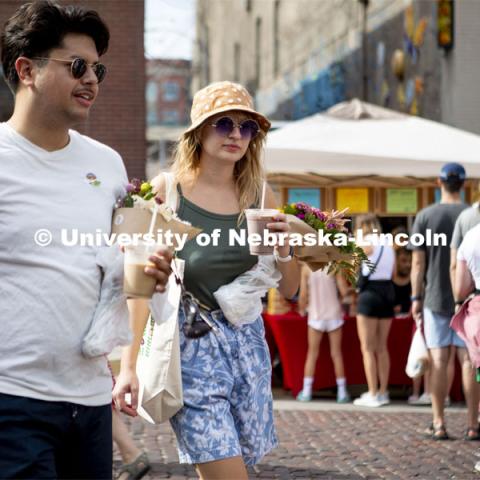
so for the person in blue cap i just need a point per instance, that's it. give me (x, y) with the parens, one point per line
(433, 303)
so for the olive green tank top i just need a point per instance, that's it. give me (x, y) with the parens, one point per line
(208, 268)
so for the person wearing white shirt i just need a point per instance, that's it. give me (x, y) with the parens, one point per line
(375, 313)
(55, 403)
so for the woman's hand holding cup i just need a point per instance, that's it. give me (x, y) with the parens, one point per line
(280, 226)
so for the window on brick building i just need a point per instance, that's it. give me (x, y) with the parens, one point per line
(152, 117)
(171, 117)
(152, 92)
(171, 91)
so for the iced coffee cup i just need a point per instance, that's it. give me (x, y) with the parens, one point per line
(136, 282)
(257, 220)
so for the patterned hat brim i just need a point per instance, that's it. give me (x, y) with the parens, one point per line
(262, 120)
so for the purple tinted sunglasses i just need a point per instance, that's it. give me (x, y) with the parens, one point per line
(248, 128)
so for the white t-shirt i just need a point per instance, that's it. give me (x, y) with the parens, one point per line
(469, 251)
(48, 294)
(384, 269)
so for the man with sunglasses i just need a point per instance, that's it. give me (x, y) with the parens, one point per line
(55, 404)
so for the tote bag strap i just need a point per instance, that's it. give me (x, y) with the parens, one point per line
(171, 194)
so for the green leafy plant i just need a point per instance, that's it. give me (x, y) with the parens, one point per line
(135, 189)
(333, 223)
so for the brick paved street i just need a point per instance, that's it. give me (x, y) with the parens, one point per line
(329, 441)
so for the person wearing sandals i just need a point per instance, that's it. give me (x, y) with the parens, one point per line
(55, 401)
(375, 312)
(467, 319)
(319, 296)
(433, 304)
(135, 462)
(227, 419)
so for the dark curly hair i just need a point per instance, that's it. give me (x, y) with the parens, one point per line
(40, 26)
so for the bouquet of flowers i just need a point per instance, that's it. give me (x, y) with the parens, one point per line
(137, 192)
(133, 214)
(337, 249)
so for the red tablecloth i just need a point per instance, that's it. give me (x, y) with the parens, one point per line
(290, 335)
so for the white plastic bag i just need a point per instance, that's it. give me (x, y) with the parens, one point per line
(417, 356)
(241, 300)
(109, 327)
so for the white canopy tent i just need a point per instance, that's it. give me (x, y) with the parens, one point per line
(355, 139)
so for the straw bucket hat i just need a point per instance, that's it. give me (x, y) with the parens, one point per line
(223, 97)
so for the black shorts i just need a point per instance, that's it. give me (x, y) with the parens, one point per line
(377, 299)
(43, 440)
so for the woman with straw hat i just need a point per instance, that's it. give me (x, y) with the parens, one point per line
(227, 419)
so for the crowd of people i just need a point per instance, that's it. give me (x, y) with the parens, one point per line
(56, 414)
(430, 283)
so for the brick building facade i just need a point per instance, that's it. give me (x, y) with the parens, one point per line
(303, 57)
(118, 117)
(168, 92)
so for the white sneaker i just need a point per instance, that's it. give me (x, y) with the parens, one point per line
(423, 399)
(413, 399)
(383, 399)
(477, 467)
(367, 400)
(304, 396)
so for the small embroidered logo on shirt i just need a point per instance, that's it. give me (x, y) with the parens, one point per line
(92, 179)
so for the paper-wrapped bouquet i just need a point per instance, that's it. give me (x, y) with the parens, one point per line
(133, 215)
(330, 242)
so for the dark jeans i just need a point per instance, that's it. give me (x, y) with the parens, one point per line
(40, 440)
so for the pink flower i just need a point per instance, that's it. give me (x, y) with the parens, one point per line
(319, 214)
(302, 206)
(137, 184)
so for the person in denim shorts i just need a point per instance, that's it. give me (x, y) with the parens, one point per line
(227, 419)
(433, 304)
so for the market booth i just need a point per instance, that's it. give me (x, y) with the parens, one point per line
(369, 159)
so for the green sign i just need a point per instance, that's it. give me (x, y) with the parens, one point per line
(401, 200)
(311, 196)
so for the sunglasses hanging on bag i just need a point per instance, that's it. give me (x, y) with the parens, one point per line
(197, 324)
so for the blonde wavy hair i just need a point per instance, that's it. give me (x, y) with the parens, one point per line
(368, 223)
(248, 171)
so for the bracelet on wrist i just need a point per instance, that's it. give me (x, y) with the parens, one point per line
(415, 298)
(286, 259)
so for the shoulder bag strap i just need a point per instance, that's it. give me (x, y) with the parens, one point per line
(376, 263)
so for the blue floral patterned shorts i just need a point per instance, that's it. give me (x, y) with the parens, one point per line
(227, 394)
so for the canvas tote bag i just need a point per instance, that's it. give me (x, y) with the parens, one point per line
(159, 364)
